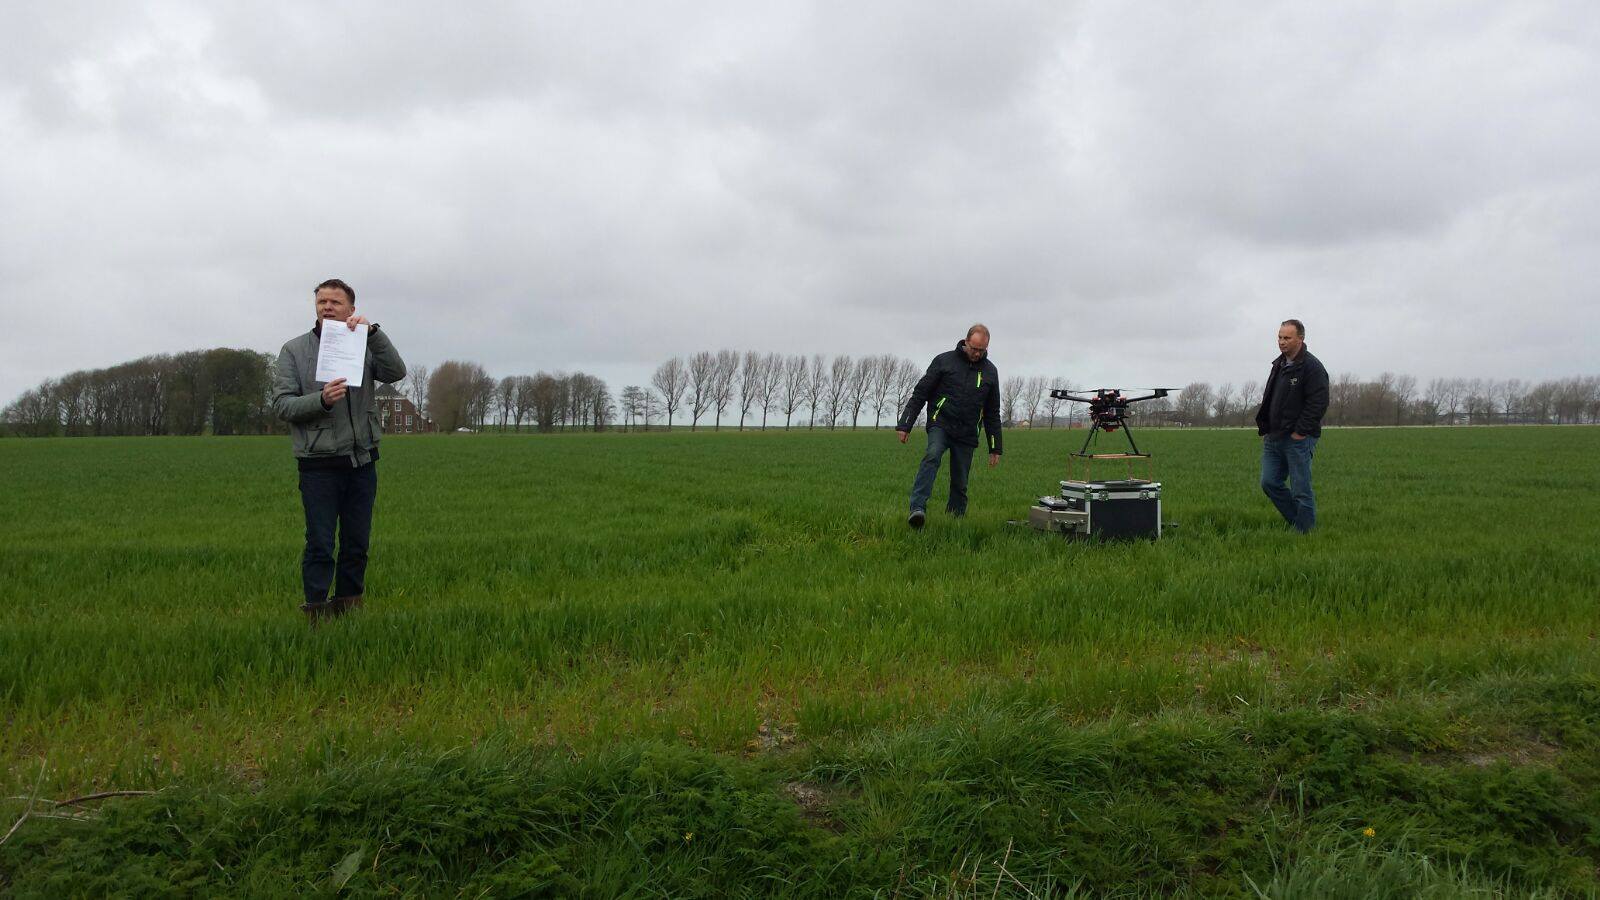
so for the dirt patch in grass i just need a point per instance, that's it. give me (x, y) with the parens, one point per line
(1517, 754)
(1531, 752)
(770, 737)
(816, 803)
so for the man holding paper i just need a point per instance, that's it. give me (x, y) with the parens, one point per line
(325, 388)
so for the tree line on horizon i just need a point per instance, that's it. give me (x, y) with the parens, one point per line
(457, 394)
(225, 391)
(1392, 399)
(219, 391)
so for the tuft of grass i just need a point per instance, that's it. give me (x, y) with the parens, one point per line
(1275, 802)
(1339, 870)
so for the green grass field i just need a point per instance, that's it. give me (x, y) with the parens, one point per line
(713, 664)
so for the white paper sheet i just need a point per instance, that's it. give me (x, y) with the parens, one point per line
(343, 353)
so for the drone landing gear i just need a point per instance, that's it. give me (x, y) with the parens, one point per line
(1126, 431)
(1086, 459)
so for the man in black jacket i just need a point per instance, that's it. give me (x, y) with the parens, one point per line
(961, 391)
(1290, 422)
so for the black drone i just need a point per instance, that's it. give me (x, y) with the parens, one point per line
(1108, 411)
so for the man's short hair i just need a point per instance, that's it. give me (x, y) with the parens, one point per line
(1299, 326)
(339, 284)
(978, 328)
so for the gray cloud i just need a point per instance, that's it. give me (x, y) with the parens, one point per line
(1125, 192)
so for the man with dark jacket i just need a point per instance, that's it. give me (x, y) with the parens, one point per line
(1290, 422)
(962, 391)
(335, 431)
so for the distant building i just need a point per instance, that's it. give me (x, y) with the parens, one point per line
(399, 415)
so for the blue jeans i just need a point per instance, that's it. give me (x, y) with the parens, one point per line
(1284, 457)
(339, 499)
(960, 468)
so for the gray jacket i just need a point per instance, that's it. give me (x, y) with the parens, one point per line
(350, 428)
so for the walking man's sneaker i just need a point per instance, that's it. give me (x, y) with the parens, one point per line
(917, 518)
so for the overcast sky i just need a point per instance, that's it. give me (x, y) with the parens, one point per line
(1126, 193)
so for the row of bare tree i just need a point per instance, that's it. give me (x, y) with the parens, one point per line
(840, 391)
(822, 392)
(1400, 400)
(1484, 401)
(834, 392)
(460, 394)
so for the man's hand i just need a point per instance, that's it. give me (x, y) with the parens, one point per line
(994, 460)
(1298, 436)
(353, 321)
(902, 435)
(333, 392)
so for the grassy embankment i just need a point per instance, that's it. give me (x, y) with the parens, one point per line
(701, 662)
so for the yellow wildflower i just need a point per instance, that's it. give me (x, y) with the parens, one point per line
(1369, 831)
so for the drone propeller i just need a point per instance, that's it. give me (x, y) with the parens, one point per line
(1155, 394)
(1109, 395)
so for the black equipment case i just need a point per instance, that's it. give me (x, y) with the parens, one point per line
(1103, 509)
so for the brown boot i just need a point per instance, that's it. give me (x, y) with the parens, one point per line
(316, 613)
(345, 604)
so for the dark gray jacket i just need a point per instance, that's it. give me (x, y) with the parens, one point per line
(1296, 397)
(960, 395)
(348, 430)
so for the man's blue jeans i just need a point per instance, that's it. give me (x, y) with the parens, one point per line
(960, 468)
(337, 500)
(1284, 457)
